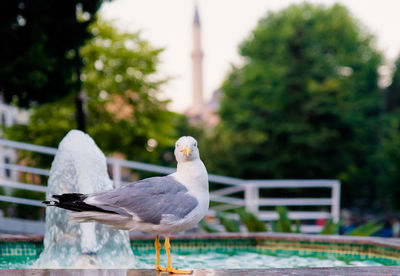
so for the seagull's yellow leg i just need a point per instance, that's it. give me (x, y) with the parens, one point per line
(170, 269)
(158, 246)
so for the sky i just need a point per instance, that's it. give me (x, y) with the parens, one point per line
(224, 25)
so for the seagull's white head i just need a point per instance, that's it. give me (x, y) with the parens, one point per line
(186, 149)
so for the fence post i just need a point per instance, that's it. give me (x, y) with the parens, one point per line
(116, 171)
(251, 196)
(335, 208)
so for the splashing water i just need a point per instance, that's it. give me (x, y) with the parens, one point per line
(80, 167)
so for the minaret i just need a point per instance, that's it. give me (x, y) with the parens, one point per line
(196, 109)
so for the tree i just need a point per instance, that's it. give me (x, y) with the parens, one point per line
(387, 159)
(38, 52)
(125, 113)
(305, 104)
(393, 91)
(388, 156)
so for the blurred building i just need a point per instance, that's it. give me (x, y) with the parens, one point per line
(211, 117)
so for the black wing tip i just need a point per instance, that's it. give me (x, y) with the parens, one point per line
(69, 197)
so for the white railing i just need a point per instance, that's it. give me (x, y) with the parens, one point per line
(247, 191)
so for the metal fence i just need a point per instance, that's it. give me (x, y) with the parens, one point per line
(232, 192)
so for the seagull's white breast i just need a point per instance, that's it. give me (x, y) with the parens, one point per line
(193, 175)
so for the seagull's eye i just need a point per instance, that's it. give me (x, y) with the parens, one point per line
(177, 145)
(195, 144)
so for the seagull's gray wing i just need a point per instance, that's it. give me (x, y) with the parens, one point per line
(149, 199)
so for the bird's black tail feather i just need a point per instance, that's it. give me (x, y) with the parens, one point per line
(73, 202)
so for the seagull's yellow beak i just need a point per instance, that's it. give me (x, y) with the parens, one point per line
(186, 151)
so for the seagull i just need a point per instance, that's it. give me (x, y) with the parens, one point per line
(156, 205)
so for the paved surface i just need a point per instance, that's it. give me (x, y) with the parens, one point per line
(384, 270)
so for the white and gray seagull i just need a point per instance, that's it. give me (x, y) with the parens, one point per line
(157, 205)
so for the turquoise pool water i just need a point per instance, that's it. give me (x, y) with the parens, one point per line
(234, 258)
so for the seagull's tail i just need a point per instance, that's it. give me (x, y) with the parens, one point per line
(74, 202)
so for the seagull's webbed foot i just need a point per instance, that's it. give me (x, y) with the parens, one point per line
(170, 269)
(177, 271)
(160, 268)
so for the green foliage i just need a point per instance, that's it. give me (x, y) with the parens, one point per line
(230, 225)
(250, 220)
(298, 226)
(305, 104)
(283, 224)
(272, 224)
(331, 228)
(207, 227)
(123, 108)
(367, 229)
(37, 53)
(123, 93)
